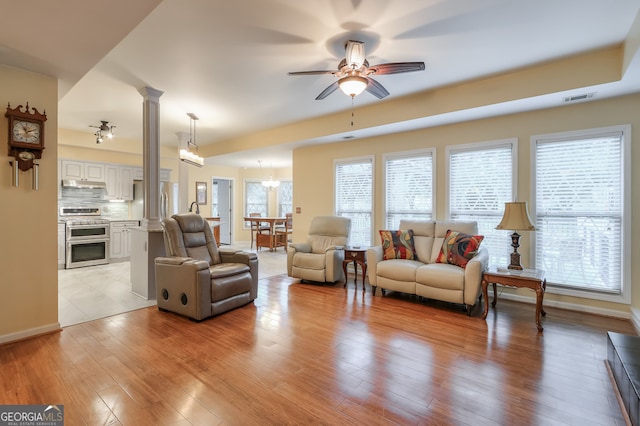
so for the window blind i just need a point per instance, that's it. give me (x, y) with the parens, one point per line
(579, 205)
(255, 199)
(354, 197)
(408, 188)
(481, 180)
(285, 198)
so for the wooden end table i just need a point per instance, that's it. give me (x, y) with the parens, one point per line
(526, 278)
(357, 255)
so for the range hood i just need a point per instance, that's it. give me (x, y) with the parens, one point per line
(72, 183)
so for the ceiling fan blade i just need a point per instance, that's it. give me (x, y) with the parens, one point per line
(376, 89)
(310, 72)
(397, 67)
(354, 53)
(329, 90)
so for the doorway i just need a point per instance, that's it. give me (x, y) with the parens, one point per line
(222, 200)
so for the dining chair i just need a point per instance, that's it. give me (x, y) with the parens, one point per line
(258, 228)
(283, 232)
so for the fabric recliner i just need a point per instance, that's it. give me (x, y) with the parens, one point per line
(198, 280)
(320, 258)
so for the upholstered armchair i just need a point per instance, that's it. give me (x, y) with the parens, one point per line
(196, 278)
(320, 258)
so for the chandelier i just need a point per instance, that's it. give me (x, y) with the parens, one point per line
(269, 184)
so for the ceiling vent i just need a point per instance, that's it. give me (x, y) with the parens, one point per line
(578, 98)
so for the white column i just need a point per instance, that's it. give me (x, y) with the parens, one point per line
(183, 174)
(147, 242)
(151, 157)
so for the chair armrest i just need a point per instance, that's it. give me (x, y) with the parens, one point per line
(237, 256)
(182, 261)
(334, 248)
(302, 247)
(374, 255)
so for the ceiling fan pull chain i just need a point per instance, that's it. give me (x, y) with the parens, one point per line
(352, 100)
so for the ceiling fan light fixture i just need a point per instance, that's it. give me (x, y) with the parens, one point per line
(353, 85)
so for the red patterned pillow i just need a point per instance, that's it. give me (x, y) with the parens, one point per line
(398, 245)
(459, 248)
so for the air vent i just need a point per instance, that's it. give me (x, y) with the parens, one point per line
(577, 98)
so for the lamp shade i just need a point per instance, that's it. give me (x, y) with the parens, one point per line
(353, 85)
(516, 217)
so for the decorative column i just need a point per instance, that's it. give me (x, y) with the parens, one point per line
(147, 242)
(151, 157)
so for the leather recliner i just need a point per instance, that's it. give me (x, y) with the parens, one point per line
(198, 280)
(320, 258)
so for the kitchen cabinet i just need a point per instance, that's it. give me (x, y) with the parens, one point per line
(82, 170)
(61, 245)
(165, 174)
(119, 181)
(120, 239)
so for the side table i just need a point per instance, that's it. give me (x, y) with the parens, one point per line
(526, 278)
(357, 255)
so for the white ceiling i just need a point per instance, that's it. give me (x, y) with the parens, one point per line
(227, 62)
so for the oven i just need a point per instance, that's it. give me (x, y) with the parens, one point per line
(87, 237)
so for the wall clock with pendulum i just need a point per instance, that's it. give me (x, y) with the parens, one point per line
(26, 140)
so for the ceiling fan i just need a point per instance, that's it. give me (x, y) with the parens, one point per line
(354, 73)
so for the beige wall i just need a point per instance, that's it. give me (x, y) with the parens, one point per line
(28, 253)
(313, 167)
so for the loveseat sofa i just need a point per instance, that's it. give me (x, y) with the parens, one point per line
(430, 274)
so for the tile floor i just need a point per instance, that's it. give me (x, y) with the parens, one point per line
(93, 292)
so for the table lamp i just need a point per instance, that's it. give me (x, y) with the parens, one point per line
(516, 218)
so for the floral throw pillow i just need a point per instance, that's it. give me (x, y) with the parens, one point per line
(398, 245)
(459, 248)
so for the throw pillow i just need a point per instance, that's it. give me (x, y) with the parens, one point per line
(398, 245)
(459, 248)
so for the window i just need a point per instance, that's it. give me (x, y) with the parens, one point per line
(255, 199)
(408, 186)
(285, 198)
(580, 184)
(481, 180)
(354, 197)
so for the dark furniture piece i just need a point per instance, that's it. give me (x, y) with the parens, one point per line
(623, 356)
(357, 255)
(527, 278)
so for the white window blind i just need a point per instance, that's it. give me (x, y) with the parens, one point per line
(408, 187)
(255, 199)
(481, 180)
(285, 197)
(354, 197)
(578, 211)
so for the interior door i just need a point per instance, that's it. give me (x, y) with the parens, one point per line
(224, 203)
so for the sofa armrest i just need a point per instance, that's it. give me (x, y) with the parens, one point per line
(374, 255)
(473, 276)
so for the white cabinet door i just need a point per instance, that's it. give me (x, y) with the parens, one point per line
(119, 180)
(80, 170)
(121, 239)
(61, 243)
(126, 183)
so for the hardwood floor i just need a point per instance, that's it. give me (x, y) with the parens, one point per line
(309, 354)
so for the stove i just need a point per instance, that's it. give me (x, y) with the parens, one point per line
(87, 237)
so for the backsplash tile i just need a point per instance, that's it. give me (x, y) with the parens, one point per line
(89, 197)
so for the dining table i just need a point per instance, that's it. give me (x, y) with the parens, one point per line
(263, 239)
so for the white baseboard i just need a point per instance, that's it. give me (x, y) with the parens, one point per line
(25, 334)
(571, 307)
